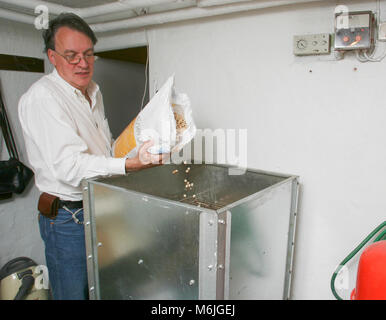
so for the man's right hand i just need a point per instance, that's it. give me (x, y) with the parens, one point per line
(145, 159)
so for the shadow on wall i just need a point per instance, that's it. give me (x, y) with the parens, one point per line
(122, 85)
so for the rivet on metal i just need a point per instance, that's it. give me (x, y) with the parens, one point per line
(89, 256)
(220, 266)
(191, 282)
(87, 223)
(85, 188)
(99, 244)
(221, 221)
(210, 267)
(92, 289)
(210, 222)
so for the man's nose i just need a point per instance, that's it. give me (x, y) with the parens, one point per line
(83, 62)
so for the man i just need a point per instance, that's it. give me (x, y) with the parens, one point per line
(68, 139)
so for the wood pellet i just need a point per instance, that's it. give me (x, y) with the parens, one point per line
(188, 185)
(180, 121)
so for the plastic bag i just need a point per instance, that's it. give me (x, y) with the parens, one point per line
(166, 119)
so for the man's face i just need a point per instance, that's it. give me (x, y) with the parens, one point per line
(69, 42)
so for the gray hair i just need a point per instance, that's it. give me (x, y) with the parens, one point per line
(69, 20)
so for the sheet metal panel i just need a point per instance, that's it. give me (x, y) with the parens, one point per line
(258, 245)
(233, 240)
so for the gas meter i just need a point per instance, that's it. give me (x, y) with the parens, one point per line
(354, 30)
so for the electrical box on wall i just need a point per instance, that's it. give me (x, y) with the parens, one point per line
(354, 30)
(311, 44)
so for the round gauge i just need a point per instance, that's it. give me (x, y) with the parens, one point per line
(301, 44)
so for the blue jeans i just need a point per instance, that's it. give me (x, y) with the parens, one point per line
(65, 255)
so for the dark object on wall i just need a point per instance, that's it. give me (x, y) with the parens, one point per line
(136, 55)
(14, 175)
(18, 63)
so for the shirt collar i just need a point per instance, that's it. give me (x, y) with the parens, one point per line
(92, 89)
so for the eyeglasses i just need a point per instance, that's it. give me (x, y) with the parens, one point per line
(76, 57)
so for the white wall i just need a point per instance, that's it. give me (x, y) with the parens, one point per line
(19, 231)
(327, 126)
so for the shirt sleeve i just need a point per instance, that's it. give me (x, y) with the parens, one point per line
(54, 132)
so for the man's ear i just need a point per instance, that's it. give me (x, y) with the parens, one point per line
(51, 56)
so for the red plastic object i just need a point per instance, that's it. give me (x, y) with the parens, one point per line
(371, 276)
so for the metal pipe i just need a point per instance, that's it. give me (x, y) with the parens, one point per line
(190, 13)
(120, 6)
(149, 19)
(32, 4)
(211, 3)
(89, 12)
(18, 17)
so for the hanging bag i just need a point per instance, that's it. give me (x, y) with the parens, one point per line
(167, 119)
(14, 175)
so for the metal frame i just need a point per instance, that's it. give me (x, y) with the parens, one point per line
(291, 240)
(214, 239)
(208, 262)
(90, 240)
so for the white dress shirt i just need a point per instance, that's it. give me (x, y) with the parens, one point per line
(66, 140)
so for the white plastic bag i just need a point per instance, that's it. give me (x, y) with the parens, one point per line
(157, 121)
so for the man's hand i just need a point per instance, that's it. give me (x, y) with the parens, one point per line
(145, 159)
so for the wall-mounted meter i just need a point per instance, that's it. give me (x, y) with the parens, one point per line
(354, 30)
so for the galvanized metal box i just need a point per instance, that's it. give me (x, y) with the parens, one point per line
(150, 235)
